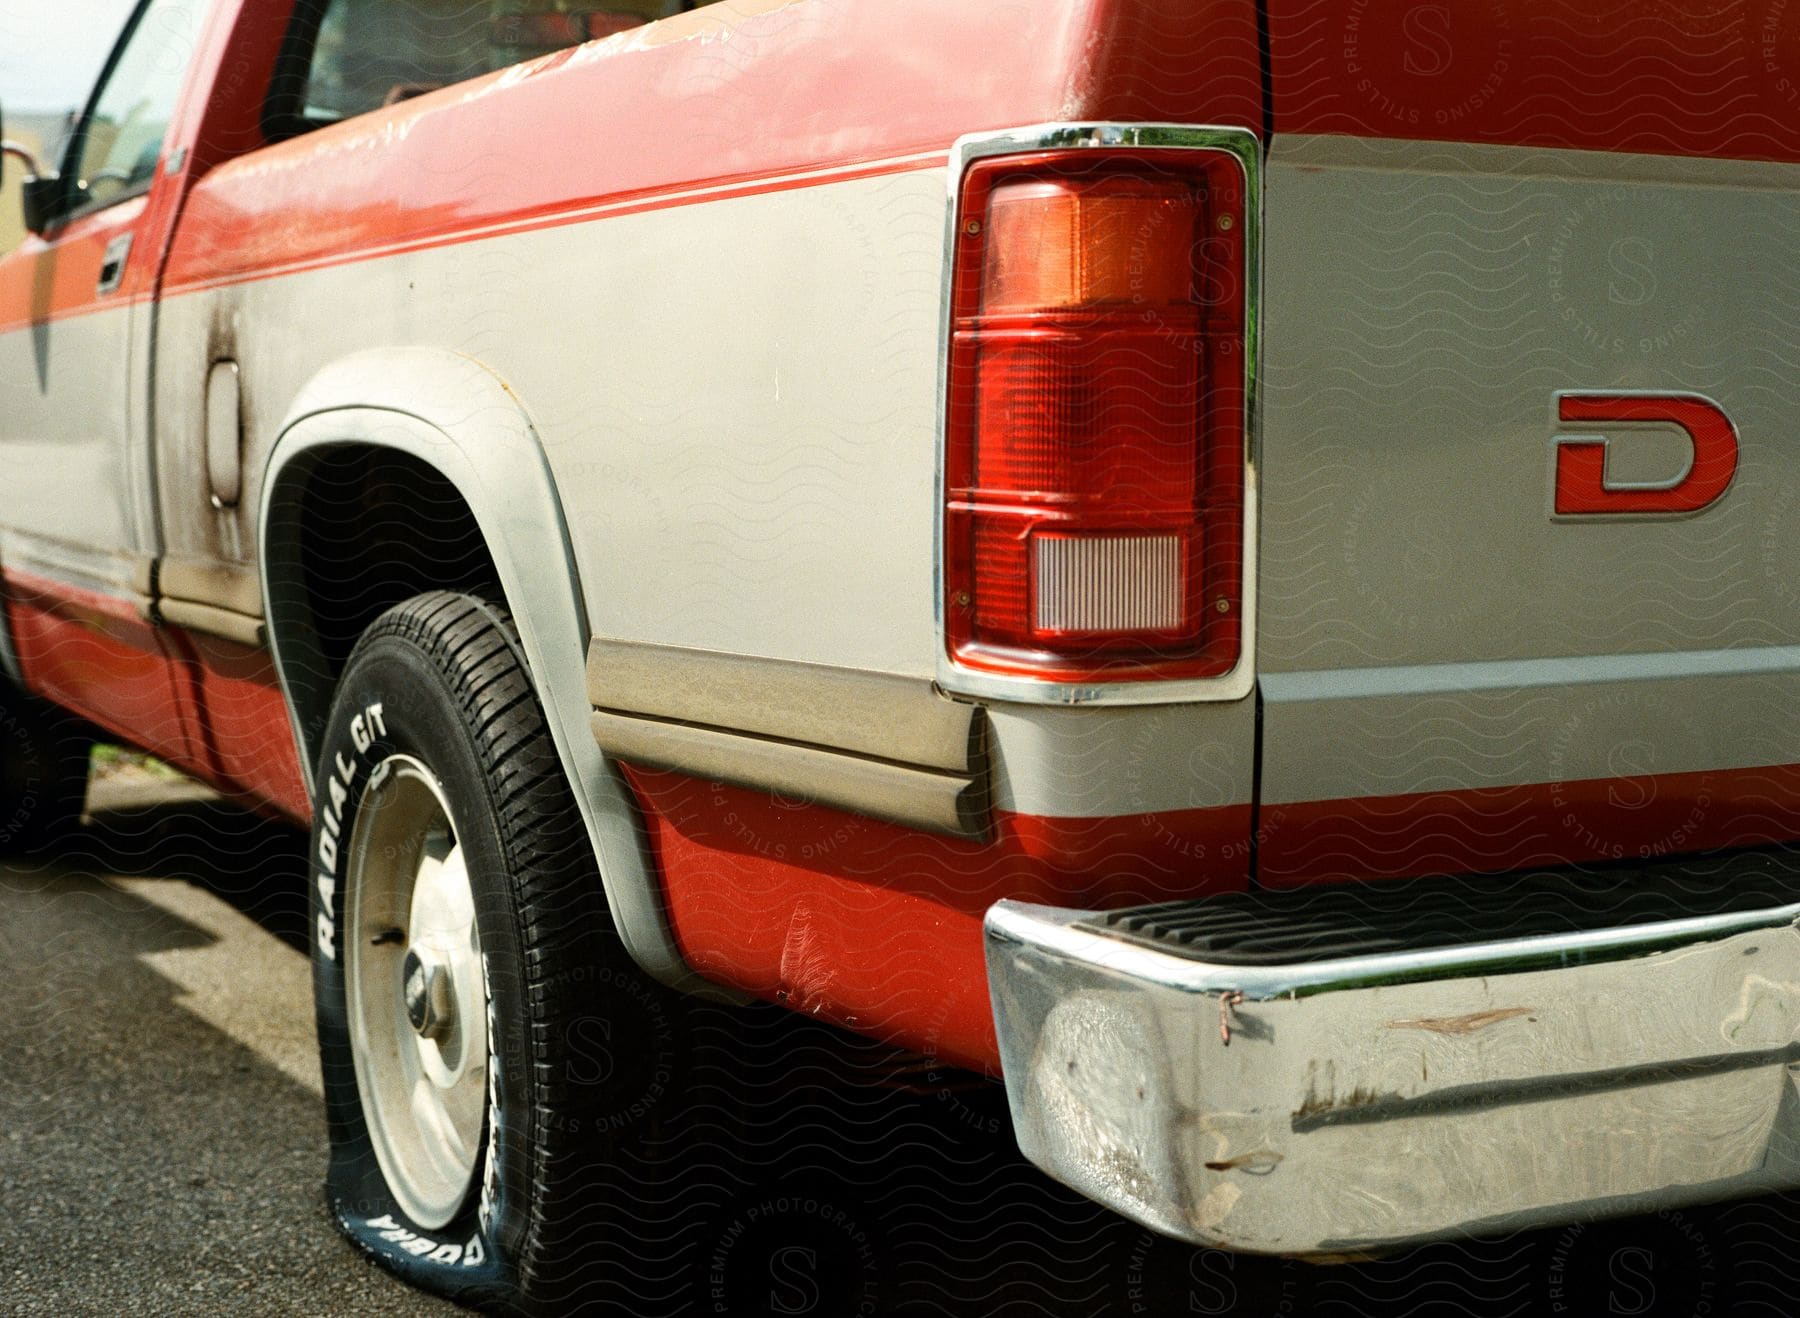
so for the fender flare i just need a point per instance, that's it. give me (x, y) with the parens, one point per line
(456, 416)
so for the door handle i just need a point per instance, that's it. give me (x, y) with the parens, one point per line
(112, 264)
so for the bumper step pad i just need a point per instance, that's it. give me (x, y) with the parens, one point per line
(1268, 928)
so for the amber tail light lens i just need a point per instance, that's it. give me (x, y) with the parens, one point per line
(1096, 432)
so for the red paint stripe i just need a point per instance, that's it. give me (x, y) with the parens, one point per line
(629, 125)
(501, 226)
(249, 739)
(75, 312)
(878, 927)
(638, 124)
(69, 600)
(1703, 78)
(42, 282)
(105, 667)
(1491, 830)
(210, 707)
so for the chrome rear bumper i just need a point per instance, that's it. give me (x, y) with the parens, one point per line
(1373, 1100)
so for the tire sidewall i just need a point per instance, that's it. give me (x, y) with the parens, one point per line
(394, 700)
(43, 772)
(27, 778)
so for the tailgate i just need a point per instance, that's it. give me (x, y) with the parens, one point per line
(1530, 560)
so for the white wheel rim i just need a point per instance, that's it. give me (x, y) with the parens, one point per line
(421, 1060)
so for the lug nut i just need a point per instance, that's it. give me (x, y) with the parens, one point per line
(425, 988)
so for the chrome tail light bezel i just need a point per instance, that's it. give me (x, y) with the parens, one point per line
(1245, 147)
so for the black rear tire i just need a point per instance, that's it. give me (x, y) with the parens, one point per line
(581, 1045)
(44, 757)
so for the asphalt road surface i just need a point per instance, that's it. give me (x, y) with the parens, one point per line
(162, 1146)
(161, 1134)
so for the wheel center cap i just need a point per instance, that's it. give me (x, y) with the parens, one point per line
(425, 988)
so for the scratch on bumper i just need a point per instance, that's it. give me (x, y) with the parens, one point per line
(1469, 1024)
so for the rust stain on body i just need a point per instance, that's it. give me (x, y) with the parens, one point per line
(1479, 1020)
(1318, 1104)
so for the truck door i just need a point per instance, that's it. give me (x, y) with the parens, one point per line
(77, 529)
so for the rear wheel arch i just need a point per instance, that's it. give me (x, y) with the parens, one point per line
(488, 502)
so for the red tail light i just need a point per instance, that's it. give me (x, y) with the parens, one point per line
(1094, 464)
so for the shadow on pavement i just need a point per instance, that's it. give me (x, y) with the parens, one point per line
(178, 832)
(151, 1161)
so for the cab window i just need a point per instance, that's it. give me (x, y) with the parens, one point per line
(348, 57)
(115, 149)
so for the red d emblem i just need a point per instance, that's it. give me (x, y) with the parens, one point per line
(1582, 489)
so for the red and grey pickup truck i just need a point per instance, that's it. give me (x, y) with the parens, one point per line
(1233, 563)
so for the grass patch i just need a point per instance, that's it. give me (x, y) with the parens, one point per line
(112, 761)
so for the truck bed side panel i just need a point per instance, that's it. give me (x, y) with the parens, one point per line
(738, 403)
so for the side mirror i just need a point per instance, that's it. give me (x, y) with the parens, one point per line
(38, 191)
(40, 197)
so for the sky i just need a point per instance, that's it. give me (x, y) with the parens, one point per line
(51, 50)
